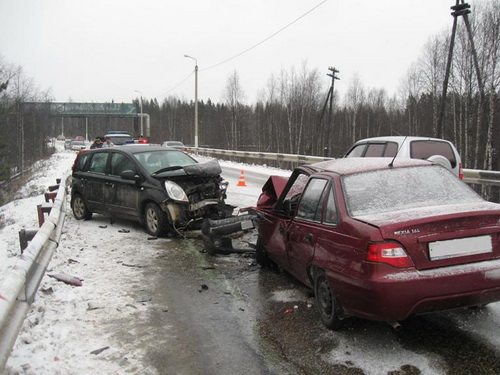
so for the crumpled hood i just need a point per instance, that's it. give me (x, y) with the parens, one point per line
(209, 169)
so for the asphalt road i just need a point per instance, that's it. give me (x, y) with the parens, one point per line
(224, 314)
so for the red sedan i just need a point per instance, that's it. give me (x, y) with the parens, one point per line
(381, 240)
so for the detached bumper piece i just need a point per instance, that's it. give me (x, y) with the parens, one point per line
(214, 233)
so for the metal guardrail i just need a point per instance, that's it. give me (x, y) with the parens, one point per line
(476, 176)
(18, 289)
(471, 176)
(305, 159)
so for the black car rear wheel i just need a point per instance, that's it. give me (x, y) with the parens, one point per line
(155, 220)
(80, 210)
(328, 306)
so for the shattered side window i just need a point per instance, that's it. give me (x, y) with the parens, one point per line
(298, 186)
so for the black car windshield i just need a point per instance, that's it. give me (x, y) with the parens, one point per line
(155, 160)
(399, 189)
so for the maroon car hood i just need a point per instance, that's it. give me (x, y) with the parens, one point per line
(271, 190)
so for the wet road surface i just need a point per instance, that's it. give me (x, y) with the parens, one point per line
(226, 315)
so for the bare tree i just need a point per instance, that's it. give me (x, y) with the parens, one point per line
(234, 96)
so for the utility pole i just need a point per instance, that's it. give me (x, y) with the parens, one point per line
(329, 100)
(459, 9)
(195, 99)
(334, 77)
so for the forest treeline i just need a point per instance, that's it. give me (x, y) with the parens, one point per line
(291, 114)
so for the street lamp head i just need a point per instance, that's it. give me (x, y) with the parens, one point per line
(191, 57)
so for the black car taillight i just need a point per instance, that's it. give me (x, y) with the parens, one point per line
(390, 253)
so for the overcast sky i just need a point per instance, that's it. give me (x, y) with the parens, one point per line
(104, 50)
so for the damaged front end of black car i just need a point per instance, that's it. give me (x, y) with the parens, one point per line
(195, 192)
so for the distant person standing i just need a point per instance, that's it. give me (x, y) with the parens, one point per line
(97, 143)
(108, 142)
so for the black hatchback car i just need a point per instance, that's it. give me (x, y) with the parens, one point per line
(164, 189)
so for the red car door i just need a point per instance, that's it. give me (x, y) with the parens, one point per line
(305, 228)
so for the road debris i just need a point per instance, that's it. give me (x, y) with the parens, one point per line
(203, 287)
(66, 279)
(133, 265)
(99, 351)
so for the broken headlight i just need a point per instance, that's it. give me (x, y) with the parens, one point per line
(223, 185)
(175, 192)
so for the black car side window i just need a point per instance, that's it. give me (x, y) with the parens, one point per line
(98, 162)
(310, 206)
(80, 162)
(120, 163)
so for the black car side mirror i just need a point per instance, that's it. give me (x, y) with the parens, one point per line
(130, 175)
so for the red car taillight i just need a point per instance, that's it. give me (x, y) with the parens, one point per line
(460, 172)
(388, 252)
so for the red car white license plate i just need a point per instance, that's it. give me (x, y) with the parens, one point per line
(460, 247)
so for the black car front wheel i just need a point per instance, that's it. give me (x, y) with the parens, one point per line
(80, 210)
(328, 306)
(155, 220)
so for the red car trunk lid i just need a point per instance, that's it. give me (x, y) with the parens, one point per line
(439, 237)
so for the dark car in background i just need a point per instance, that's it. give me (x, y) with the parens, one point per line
(164, 189)
(119, 137)
(381, 239)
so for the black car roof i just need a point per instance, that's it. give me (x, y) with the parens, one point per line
(134, 148)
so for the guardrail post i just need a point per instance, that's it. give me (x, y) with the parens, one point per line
(43, 208)
(25, 236)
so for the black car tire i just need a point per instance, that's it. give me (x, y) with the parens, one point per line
(261, 256)
(328, 306)
(80, 210)
(155, 220)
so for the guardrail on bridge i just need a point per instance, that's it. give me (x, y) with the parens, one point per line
(21, 283)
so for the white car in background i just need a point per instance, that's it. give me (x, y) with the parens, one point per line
(436, 150)
(175, 144)
(77, 145)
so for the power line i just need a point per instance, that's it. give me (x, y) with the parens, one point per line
(173, 88)
(266, 39)
(248, 49)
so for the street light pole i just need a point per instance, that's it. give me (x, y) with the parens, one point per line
(140, 104)
(195, 100)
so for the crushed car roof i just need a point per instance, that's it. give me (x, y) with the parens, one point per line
(347, 166)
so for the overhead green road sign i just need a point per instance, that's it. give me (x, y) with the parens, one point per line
(93, 109)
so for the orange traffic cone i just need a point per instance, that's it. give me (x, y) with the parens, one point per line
(241, 182)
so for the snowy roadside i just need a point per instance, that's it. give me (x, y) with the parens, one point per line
(74, 330)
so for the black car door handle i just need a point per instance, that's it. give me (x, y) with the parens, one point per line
(308, 238)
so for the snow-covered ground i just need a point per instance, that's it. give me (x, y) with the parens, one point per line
(68, 326)
(66, 323)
